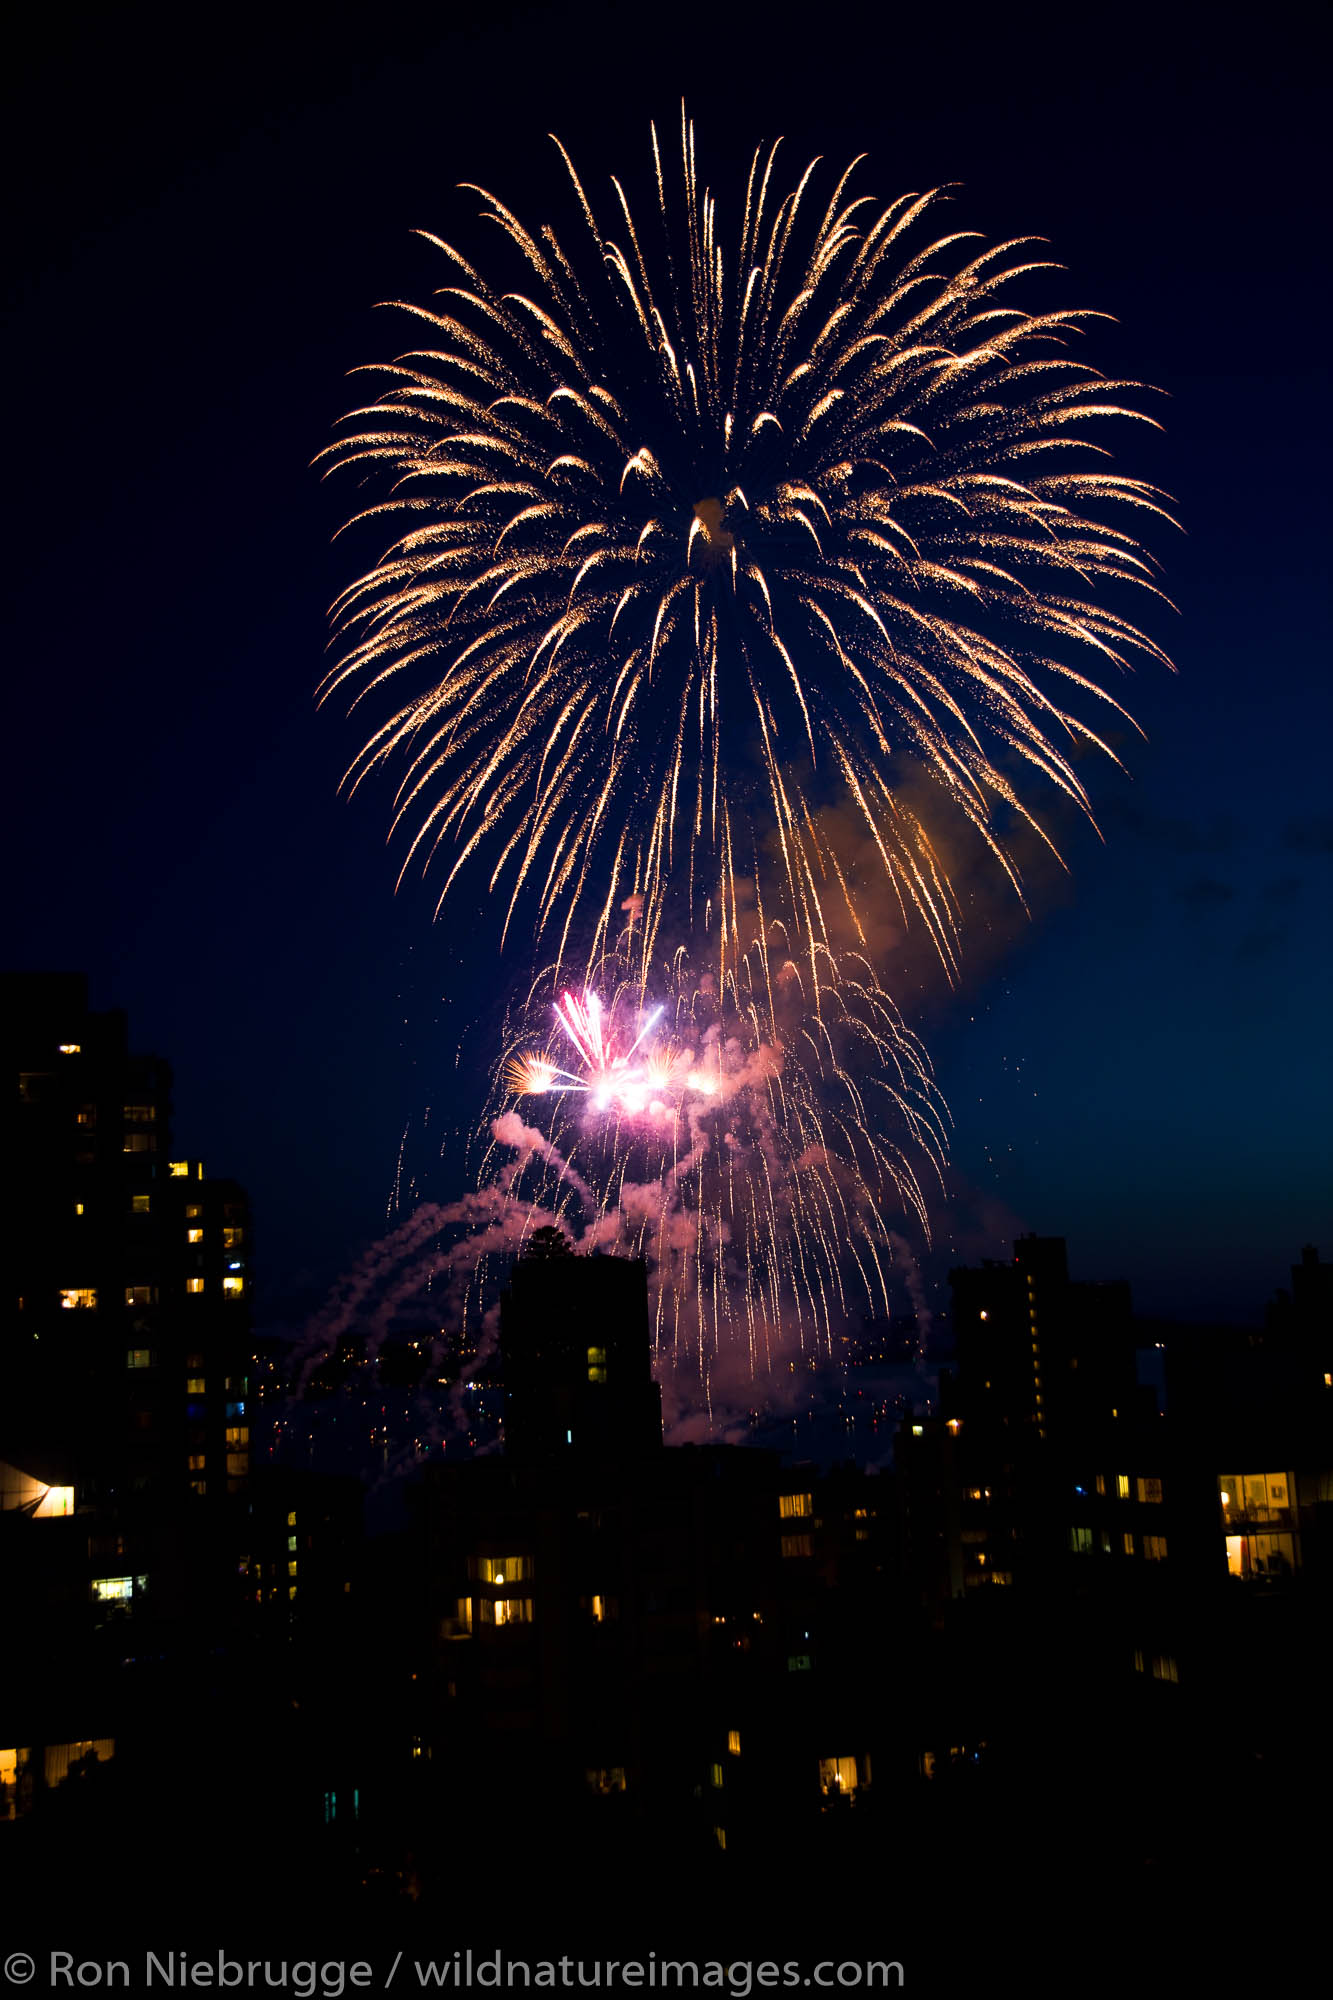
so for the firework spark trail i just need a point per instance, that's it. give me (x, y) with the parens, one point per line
(394, 1271)
(715, 1135)
(699, 555)
(825, 509)
(441, 1259)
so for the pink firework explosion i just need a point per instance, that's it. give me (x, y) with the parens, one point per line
(644, 1077)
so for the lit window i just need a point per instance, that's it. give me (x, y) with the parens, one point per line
(715, 1776)
(194, 1236)
(194, 1285)
(195, 1462)
(55, 1504)
(196, 1385)
(140, 1114)
(60, 1759)
(598, 1609)
(141, 1295)
(1154, 1548)
(1138, 1660)
(1129, 1543)
(291, 1590)
(1100, 1482)
(139, 1142)
(78, 1298)
(78, 1208)
(837, 1775)
(456, 1624)
(141, 1204)
(199, 1486)
(1122, 1485)
(984, 1313)
(1164, 1668)
(234, 1410)
(1149, 1490)
(720, 1836)
(606, 1780)
(918, 1430)
(597, 1374)
(1255, 1496)
(499, 1569)
(237, 1435)
(597, 1355)
(291, 1569)
(232, 1288)
(113, 1589)
(792, 1505)
(193, 1211)
(1080, 1540)
(71, 1049)
(504, 1610)
(179, 1170)
(139, 1357)
(86, 1115)
(798, 1545)
(291, 1542)
(291, 1520)
(232, 1238)
(733, 1742)
(238, 1463)
(798, 1663)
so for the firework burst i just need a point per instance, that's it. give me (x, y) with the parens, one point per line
(695, 538)
(743, 1145)
(701, 550)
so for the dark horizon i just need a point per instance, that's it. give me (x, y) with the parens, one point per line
(1143, 1068)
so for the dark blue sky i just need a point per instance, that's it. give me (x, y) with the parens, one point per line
(202, 233)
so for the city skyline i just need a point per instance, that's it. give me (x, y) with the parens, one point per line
(652, 1676)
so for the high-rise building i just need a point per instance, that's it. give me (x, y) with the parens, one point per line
(126, 1339)
(1036, 1349)
(124, 1371)
(574, 1337)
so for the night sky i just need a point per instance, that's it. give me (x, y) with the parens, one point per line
(202, 231)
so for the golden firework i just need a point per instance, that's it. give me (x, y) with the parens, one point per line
(820, 508)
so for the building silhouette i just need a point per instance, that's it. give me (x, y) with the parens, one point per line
(577, 1366)
(124, 1343)
(1141, 1581)
(1073, 1630)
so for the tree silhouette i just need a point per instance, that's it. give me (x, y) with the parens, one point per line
(547, 1243)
